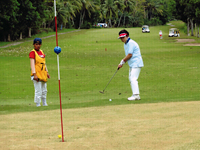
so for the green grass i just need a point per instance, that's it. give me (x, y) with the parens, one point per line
(170, 72)
(4, 43)
(41, 35)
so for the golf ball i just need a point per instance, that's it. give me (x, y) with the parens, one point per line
(110, 99)
(59, 136)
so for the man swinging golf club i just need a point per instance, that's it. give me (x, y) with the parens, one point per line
(135, 62)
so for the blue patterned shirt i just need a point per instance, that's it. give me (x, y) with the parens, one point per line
(131, 47)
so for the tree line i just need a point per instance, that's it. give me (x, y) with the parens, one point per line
(189, 12)
(22, 18)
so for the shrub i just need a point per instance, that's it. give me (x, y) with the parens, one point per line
(86, 25)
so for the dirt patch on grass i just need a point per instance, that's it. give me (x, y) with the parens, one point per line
(184, 40)
(193, 44)
(137, 126)
(187, 40)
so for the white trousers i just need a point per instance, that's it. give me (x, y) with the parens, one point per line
(40, 92)
(133, 77)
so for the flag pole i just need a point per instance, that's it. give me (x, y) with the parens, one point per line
(57, 50)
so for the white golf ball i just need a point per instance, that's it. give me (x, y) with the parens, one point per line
(110, 99)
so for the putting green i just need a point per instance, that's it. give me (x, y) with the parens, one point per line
(146, 126)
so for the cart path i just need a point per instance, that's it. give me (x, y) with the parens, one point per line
(17, 43)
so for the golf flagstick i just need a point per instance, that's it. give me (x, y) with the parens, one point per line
(57, 50)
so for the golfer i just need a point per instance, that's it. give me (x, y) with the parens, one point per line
(39, 72)
(160, 34)
(135, 62)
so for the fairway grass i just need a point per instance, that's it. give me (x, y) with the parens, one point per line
(158, 126)
(88, 60)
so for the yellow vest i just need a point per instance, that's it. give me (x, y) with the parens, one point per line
(40, 67)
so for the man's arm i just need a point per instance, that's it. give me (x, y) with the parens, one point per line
(124, 60)
(127, 57)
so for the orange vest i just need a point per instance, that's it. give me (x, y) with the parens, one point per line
(40, 67)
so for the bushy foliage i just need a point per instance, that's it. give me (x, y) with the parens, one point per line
(86, 25)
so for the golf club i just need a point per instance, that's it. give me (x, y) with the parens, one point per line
(109, 81)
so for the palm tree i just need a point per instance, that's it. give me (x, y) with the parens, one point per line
(61, 13)
(71, 7)
(197, 19)
(88, 6)
(151, 7)
(110, 10)
(50, 17)
(129, 7)
(120, 7)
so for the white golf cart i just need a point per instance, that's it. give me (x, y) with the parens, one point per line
(145, 29)
(173, 32)
(102, 25)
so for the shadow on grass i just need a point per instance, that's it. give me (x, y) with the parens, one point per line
(10, 109)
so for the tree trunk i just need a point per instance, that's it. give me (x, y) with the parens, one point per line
(147, 14)
(120, 20)
(124, 20)
(188, 27)
(49, 24)
(29, 32)
(110, 23)
(192, 25)
(9, 38)
(82, 15)
(150, 15)
(73, 21)
(45, 25)
(20, 36)
(198, 30)
(195, 26)
(80, 21)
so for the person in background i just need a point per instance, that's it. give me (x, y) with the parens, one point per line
(39, 72)
(178, 33)
(160, 33)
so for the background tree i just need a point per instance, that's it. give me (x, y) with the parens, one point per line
(185, 11)
(197, 15)
(71, 7)
(8, 18)
(129, 7)
(153, 9)
(26, 17)
(25, 12)
(36, 15)
(88, 6)
(109, 9)
(120, 7)
(50, 17)
(138, 13)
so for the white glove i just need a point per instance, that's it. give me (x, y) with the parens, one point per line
(122, 62)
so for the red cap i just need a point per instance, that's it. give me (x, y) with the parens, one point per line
(122, 35)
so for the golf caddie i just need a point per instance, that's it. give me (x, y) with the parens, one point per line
(39, 72)
(135, 62)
